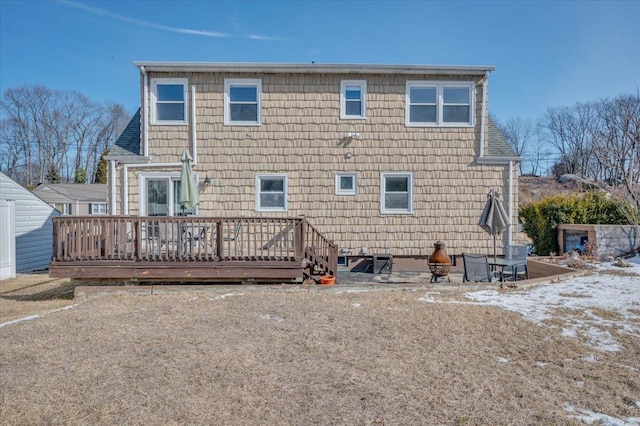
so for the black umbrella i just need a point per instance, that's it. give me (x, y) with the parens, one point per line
(494, 218)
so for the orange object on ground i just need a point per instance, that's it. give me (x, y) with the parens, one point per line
(327, 280)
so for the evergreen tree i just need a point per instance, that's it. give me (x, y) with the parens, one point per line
(53, 176)
(81, 175)
(101, 170)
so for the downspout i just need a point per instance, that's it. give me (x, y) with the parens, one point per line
(194, 146)
(125, 190)
(112, 187)
(510, 230)
(484, 112)
(144, 115)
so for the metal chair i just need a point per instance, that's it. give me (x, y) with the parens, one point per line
(476, 269)
(234, 237)
(516, 253)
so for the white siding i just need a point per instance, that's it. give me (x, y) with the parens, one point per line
(33, 226)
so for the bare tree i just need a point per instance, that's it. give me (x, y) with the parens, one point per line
(64, 130)
(616, 136)
(521, 134)
(568, 130)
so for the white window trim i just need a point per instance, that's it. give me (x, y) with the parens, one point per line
(154, 100)
(343, 99)
(383, 177)
(339, 190)
(439, 86)
(257, 83)
(142, 190)
(259, 178)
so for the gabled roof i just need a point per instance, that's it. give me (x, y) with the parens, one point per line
(497, 144)
(71, 192)
(313, 68)
(127, 146)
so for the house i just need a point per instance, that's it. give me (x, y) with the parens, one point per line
(73, 198)
(379, 158)
(26, 231)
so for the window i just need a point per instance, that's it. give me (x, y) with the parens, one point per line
(66, 208)
(98, 208)
(396, 193)
(343, 261)
(161, 195)
(346, 184)
(439, 103)
(353, 99)
(271, 193)
(242, 100)
(169, 101)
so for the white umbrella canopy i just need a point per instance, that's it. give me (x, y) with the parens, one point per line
(494, 218)
(188, 190)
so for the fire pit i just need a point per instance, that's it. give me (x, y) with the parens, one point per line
(439, 270)
(439, 263)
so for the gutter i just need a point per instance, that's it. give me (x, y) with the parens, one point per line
(311, 68)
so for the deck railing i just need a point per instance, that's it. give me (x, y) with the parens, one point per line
(121, 239)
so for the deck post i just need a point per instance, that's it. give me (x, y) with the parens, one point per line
(299, 238)
(137, 237)
(219, 239)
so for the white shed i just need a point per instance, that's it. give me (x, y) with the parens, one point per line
(27, 218)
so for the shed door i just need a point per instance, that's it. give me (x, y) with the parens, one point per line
(7, 240)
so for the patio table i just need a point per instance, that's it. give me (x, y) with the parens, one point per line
(502, 263)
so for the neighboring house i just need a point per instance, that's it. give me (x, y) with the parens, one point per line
(26, 231)
(73, 198)
(380, 158)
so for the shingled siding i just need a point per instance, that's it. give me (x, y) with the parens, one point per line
(303, 136)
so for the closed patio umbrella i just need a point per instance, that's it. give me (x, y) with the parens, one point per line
(188, 189)
(494, 218)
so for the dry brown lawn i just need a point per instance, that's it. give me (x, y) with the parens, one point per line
(274, 356)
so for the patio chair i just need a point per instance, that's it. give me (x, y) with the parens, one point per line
(516, 253)
(235, 239)
(476, 269)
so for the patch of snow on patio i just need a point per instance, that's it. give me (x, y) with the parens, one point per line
(581, 299)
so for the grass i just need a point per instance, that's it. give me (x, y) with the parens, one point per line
(303, 357)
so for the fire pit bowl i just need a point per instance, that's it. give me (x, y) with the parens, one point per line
(439, 263)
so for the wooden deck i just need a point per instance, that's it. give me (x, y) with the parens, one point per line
(189, 248)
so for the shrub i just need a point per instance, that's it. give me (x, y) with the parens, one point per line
(541, 218)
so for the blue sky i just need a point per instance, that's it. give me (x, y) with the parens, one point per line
(547, 53)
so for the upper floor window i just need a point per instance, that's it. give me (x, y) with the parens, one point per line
(242, 100)
(169, 101)
(271, 193)
(98, 208)
(353, 99)
(396, 193)
(439, 103)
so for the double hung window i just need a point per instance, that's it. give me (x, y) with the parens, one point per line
(169, 101)
(353, 99)
(271, 193)
(439, 103)
(242, 99)
(396, 193)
